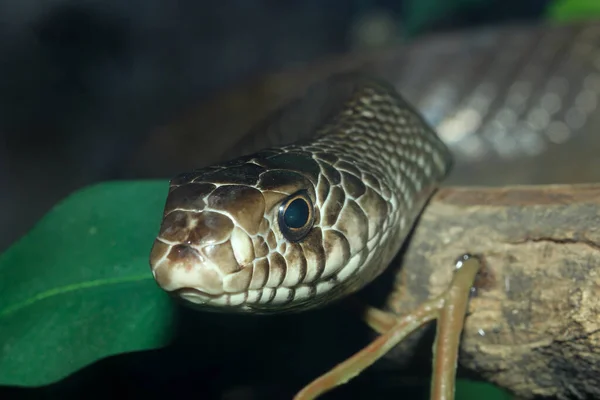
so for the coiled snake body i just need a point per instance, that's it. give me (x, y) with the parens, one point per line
(297, 226)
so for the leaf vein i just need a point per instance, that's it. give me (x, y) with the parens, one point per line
(69, 288)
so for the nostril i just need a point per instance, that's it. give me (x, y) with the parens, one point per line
(185, 267)
(183, 252)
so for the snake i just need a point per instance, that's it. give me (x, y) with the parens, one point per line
(316, 213)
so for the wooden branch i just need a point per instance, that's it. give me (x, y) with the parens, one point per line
(534, 323)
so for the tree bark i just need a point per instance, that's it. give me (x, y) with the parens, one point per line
(534, 321)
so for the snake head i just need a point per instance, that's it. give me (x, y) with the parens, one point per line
(257, 237)
(299, 226)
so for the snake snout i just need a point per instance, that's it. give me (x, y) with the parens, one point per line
(203, 258)
(183, 267)
(209, 275)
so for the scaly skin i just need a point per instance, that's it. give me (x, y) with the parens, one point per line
(368, 168)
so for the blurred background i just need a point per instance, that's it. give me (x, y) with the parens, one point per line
(98, 90)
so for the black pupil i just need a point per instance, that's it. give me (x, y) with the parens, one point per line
(296, 214)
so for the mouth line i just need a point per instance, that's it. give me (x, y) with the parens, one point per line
(208, 300)
(197, 292)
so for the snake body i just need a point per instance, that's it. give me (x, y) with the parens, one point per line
(313, 218)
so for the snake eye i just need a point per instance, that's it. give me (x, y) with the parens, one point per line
(296, 216)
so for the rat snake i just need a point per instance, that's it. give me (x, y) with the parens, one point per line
(315, 215)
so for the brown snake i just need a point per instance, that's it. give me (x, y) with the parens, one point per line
(317, 218)
(507, 97)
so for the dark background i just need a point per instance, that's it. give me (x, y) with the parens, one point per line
(84, 83)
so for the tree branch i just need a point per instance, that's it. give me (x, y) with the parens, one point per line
(534, 324)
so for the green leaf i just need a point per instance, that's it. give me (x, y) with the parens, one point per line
(78, 287)
(570, 10)
(470, 390)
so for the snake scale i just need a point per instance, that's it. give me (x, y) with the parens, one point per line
(312, 218)
(494, 90)
(280, 229)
